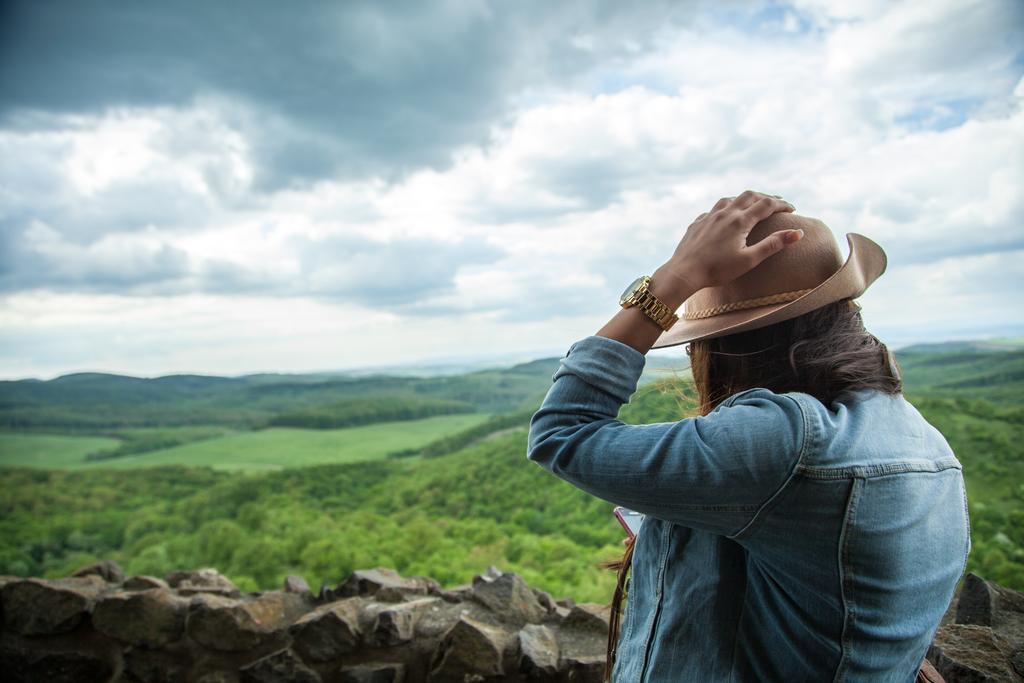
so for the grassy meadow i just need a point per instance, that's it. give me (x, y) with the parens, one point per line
(273, 448)
(50, 450)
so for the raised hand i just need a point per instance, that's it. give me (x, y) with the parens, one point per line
(714, 248)
(712, 252)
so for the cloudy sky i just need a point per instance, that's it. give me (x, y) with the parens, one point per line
(235, 187)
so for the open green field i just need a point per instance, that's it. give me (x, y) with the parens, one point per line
(268, 449)
(50, 450)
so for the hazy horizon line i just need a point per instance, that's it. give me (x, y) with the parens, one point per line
(475, 361)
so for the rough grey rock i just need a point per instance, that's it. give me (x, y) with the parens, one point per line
(143, 665)
(278, 667)
(395, 623)
(434, 622)
(984, 603)
(977, 602)
(507, 594)
(108, 570)
(384, 584)
(329, 631)
(1017, 662)
(152, 617)
(589, 615)
(393, 629)
(223, 623)
(45, 606)
(296, 584)
(968, 652)
(205, 580)
(545, 600)
(20, 666)
(561, 612)
(471, 648)
(584, 668)
(374, 673)
(538, 651)
(218, 677)
(143, 582)
(984, 638)
(456, 593)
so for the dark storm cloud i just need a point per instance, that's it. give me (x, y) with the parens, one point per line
(398, 274)
(39, 258)
(315, 90)
(350, 89)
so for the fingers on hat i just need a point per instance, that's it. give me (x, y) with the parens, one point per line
(746, 198)
(764, 248)
(750, 198)
(766, 206)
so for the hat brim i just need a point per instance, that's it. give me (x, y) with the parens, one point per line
(864, 264)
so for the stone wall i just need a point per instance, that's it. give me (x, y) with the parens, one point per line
(982, 635)
(374, 627)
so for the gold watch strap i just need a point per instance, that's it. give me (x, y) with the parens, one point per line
(656, 310)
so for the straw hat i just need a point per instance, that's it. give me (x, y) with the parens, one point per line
(803, 276)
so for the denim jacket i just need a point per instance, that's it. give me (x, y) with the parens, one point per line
(785, 540)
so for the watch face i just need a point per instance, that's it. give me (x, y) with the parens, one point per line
(632, 288)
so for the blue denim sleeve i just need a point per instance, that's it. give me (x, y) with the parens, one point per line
(713, 472)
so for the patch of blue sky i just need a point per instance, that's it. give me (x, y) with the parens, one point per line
(766, 20)
(613, 81)
(1012, 242)
(1017, 65)
(754, 19)
(938, 115)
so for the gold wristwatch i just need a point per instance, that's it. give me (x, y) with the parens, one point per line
(639, 294)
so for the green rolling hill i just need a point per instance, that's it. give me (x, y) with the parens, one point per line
(92, 402)
(428, 496)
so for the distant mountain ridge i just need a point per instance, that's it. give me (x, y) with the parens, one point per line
(994, 372)
(92, 401)
(991, 369)
(984, 345)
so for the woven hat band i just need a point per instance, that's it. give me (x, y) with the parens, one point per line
(780, 298)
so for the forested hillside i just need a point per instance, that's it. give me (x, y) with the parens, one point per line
(451, 506)
(445, 517)
(93, 402)
(110, 418)
(966, 371)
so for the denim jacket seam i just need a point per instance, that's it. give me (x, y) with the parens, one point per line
(621, 385)
(967, 519)
(747, 529)
(739, 627)
(591, 383)
(846, 592)
(630, 616)
(878, 470)
(660, 594)
(729, 402)
(710, 508)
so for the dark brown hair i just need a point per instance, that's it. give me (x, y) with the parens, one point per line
(824, 353)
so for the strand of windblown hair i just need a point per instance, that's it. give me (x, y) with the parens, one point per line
(613, 618)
